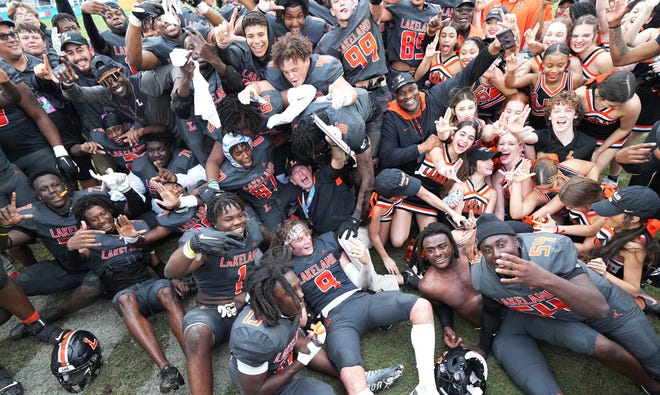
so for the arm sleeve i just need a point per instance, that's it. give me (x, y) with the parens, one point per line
(136, 204)
(445, 314)
(466, 77)
(63, 6)
(492, 314)
(93, 32)
(182, 106)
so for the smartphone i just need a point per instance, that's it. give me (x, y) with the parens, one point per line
(506, 38)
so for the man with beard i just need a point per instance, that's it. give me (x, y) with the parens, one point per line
(124, 94)
(111, 42)
(534, 286)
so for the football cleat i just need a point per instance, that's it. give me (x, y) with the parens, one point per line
(9, 386)
(170, 379)
(382, 379)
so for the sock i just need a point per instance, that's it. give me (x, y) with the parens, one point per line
(32, 318)
(422, 337)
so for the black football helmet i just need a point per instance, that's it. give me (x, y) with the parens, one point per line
(460, 371)
(76, 360)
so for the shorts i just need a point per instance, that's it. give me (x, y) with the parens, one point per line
(358, 314)
(146, 293)
(298, 385)
(49, 277)
(208, 316)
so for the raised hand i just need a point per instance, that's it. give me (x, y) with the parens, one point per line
(450, 171)
(9, 215)
(126, 229)
(84, 238)
(521, 172)
(432, 47)
(201, 46)
(224, 33)
(481, 4)
(66, 73)
(114, 181)
(530, 39)
(512, 62)
(443, 127)
(132, 137)
(92, 148)
(164, 175)
(268, 5)
(167, 198)
(94, 7)
(615, 12)
(214, 242)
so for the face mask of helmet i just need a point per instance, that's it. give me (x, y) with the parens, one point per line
(460, 372)
(77, 360)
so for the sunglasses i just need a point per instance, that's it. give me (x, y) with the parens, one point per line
(6, 36)
(109, 78)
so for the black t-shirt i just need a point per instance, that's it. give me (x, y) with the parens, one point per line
(582, 145)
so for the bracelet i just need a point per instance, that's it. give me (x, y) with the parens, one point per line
(615, 26)
(188, 251)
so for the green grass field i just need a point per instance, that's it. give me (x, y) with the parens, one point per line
(128, 370)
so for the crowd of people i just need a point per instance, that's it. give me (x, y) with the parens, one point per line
(279, 141)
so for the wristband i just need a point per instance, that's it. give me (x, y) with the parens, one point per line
(187, 201)
(615, 26)
(376, 2)
(59, 150)
(188, 251)
(202, 7)
(130, 240)
(133, 20)
(4, 234)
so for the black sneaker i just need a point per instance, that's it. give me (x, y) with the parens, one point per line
(411, 277)
(382, 379)
(46, 333)
(170, 379)
(9, 386)
(19, 331)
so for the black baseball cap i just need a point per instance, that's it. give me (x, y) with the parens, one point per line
(7, 22)
(399, 80)
(635, 200)
(489, 225)
(465, 2)
(72, 37)
(292, 164)
(495, 13)
(394, 182)
(481, 153)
